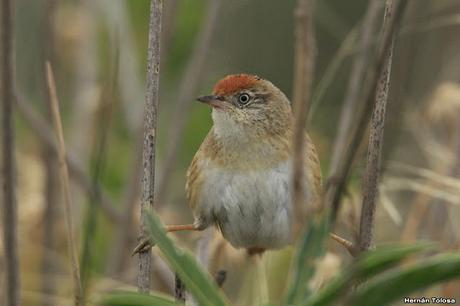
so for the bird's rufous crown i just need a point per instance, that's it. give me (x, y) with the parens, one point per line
(234, 83)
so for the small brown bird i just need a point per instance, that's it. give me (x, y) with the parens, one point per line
(241, 177)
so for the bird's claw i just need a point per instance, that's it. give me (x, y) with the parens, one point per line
(143, 246)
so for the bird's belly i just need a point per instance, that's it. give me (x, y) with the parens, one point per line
(252, 208)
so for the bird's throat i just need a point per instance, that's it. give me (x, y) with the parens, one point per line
(247, 151)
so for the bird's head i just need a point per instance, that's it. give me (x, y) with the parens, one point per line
(247, 105)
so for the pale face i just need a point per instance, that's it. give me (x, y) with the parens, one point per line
(237, 114)
(248, 108)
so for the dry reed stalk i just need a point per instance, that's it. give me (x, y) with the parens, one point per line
(336, 186)
(124, 237)
(305, 53)
(65, 185)
(50, 213)
(45, 133)
(374, 155)
(9, 206)
(150, 132)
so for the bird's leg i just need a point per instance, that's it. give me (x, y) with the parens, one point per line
(182, 227)
(148, 243)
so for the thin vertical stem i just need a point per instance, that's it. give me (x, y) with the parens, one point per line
(45, 134)
(305, 51)
(65, 184)
(374, 155)
(305, 54)
(8, 163)
(150, 126)
(50, 213)
(336, 187)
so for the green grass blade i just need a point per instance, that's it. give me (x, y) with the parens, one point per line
(396, 284)
(376, 261)
(309, 250)
(367, 265)
(135, 299)
(197, 281)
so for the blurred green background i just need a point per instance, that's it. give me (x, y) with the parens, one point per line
(85, 40)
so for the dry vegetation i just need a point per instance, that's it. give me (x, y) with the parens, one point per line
(377, 86)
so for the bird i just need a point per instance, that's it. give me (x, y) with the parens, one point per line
(240, 179)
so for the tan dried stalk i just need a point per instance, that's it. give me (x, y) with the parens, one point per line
(150, 126)
(305, 52)
(374, 155)
(45, 134)
(50, 213)
(65, 185)
(336, 186)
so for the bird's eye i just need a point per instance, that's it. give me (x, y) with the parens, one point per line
(244, 98)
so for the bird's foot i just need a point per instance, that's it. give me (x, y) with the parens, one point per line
(143, 246)
(147, 243)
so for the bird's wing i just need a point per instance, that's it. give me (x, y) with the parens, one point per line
(312, 172)
(193, 182)
(195, 174)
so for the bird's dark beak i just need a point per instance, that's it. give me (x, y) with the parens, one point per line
(211, 100)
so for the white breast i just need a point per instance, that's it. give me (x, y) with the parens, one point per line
(252, 208)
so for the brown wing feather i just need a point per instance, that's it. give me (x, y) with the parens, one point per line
(193, 181)
(312, 174)
(195, 171)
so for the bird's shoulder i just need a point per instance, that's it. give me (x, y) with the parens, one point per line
(195, 172)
